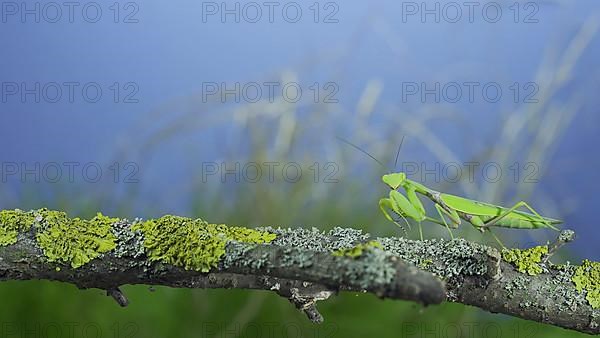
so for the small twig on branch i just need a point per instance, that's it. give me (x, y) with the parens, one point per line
(118, 296)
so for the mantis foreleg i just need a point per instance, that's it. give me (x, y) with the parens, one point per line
(401, 205)
(388, 203)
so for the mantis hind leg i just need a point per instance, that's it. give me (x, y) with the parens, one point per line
(515, 207)
(496, 238)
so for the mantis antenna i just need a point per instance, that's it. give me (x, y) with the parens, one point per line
(381, 164)
(359, 149)
(398, 152)
(371, 156)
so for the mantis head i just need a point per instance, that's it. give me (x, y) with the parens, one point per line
(394, 180)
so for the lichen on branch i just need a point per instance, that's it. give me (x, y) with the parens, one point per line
(357, 250)
(11, 223)
(587, 278)
(73, 240)
(526, 261)
(193, 244)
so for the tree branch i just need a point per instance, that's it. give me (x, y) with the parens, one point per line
(306, 265)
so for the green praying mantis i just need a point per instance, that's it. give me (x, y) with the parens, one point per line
(481, 215)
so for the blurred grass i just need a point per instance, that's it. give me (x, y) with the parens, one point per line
(236, 313)
(301, 133)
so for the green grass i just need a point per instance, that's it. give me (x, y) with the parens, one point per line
(41, 306)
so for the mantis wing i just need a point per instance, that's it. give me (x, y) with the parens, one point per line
(472, 207)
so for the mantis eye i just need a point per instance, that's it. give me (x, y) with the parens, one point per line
(394, 180)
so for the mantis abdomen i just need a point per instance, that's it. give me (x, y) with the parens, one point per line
(517, 223)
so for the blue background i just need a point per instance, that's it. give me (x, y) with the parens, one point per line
(168, 53)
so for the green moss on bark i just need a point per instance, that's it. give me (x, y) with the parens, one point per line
(74, 241)
(587, 277)
(11, 223)
(193, 244)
